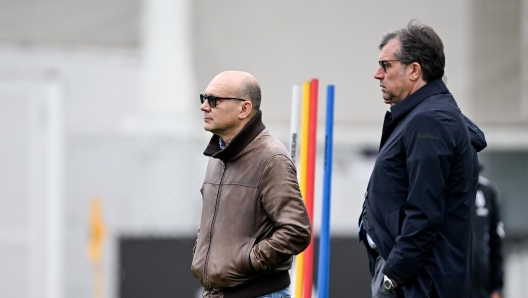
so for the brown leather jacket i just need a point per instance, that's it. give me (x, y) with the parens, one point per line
(253, 216)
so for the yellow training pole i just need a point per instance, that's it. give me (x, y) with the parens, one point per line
(95, 246)
(303, 164)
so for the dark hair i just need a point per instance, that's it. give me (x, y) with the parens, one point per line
(419, 43)
(251, 91)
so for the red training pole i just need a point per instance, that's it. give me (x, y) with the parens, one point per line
(310, 183)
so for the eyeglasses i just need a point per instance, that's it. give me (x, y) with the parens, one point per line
(211, 99)
(383, 65)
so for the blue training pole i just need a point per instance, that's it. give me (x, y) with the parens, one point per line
(323, 276)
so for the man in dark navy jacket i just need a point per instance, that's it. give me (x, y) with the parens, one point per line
(416, 221)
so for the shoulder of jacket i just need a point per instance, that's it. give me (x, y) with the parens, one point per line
(433, 110)
(270, 144)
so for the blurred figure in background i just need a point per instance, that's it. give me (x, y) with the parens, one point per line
(487, 242)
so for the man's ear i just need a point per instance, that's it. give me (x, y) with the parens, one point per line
(246, 109)
(416, 71)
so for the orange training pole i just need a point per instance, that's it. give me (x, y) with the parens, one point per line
(310, 181)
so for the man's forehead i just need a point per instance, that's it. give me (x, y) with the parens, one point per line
(389, 50)
(221, 84)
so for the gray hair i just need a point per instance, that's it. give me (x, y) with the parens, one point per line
(251, 91)
(419, 43)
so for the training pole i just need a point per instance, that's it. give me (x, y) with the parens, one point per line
(323, 276)
(295, 121)
(303, 158)
(310, 181)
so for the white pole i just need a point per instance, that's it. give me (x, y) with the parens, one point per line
(295, 121)
(55, 210)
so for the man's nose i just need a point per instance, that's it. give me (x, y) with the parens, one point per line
(378, 74)
(205, 106)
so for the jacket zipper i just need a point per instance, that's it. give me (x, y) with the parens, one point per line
(206, 277)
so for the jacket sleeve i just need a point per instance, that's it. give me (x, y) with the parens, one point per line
(282, 201)
(196, 241)
(495, 241)
(428, 152)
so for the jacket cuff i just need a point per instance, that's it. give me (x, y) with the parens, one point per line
(255, 263)
(251, 262)
(399, 276)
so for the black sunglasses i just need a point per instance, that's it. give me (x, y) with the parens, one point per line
(383, 65)
(211, 99)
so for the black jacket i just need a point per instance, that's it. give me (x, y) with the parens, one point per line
(419, 200)
(488, 232)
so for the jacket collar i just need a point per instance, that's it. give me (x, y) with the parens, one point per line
(401, 109)
(248, 133)
(404, 107)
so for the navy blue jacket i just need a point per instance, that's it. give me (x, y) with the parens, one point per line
(418, 204)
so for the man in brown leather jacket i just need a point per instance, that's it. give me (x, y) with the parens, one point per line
(253, 217)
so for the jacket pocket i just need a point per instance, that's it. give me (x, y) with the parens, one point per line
(394, 222)
(244, 257)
